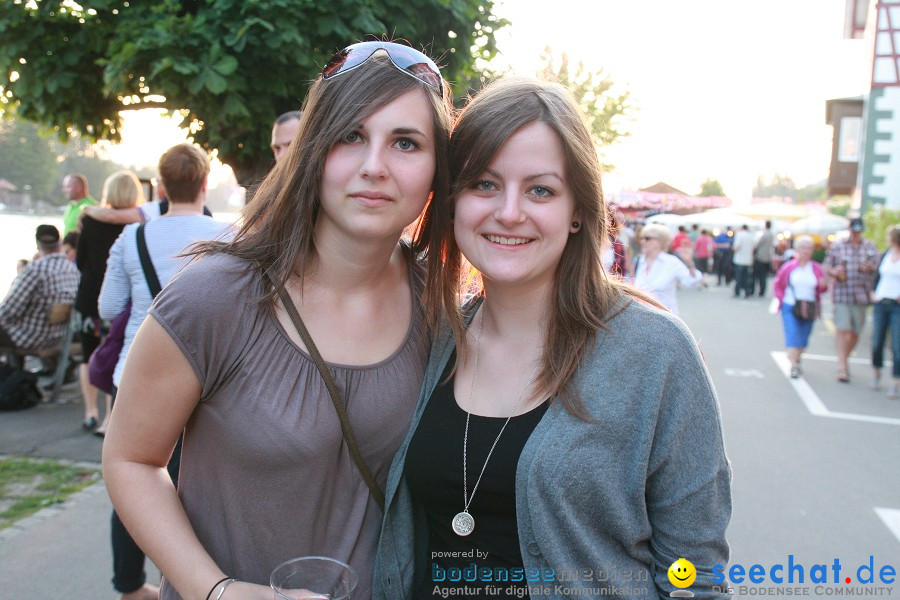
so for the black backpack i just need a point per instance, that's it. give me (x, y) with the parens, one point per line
(18, 388)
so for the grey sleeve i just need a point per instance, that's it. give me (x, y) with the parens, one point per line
(688, 476)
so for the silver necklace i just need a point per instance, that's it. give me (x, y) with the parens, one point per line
(464, 523)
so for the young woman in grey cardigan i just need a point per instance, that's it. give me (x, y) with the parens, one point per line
(568, 442)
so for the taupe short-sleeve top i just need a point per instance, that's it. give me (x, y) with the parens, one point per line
(265, 473)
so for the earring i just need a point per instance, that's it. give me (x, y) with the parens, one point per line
(576, 225)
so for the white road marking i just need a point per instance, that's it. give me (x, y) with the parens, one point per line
(814, 404)
(744, 373)
(851, 360)
(891, 518)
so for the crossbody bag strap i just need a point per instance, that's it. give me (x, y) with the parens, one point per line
(347, 430)
(147, 264)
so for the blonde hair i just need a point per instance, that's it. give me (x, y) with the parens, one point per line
(122, 189)
(805, 240)
(660, 231)
(894, 235)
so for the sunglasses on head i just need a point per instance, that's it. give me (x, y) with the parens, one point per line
(409, 60)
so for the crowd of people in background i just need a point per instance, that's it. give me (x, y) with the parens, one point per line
(851, 268)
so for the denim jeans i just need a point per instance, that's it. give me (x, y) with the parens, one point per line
(743, 280)
(886, 316)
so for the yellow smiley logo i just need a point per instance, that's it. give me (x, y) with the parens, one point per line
(682, 573)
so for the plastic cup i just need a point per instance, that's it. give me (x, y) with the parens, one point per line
(313, 578)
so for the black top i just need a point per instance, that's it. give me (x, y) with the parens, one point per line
(93, 249)
(434, 473)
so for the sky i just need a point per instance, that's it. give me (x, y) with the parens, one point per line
(725, 90)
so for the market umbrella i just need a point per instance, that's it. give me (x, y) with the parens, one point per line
(819, 225)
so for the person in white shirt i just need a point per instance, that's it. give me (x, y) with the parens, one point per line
(659, 273)
(744, 243)
(887, 313)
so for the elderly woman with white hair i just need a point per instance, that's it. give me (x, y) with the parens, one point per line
(659, 273)
(799, 280)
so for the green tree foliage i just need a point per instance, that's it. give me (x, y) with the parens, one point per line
(26, 159)
(711, 187)
(30, 158)
(230, 66)
(877, 220)
(607, 110)
(780, 186)
(814, 192)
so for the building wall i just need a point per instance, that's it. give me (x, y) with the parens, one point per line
(880, 172)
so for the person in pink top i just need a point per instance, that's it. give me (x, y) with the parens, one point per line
(703, 248)
(681, 239)
(800, 278)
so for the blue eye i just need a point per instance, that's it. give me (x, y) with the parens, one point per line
(483, 185)
(351, 137)
(541, 191)
(406, 144)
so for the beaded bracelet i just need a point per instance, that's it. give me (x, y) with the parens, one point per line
(224, 587)
(219, 582)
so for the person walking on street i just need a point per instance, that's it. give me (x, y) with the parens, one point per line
(743, 262)
(800, 279)
(724, 266)
(659, 273)
(887, 313)
(852, 265)
(762, 260)
(703, 249)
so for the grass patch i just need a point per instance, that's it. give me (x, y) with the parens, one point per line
(28, 485)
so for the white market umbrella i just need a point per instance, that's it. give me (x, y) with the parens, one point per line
(719, 218)
(819, 225)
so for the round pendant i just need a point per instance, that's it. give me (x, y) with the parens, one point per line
(463, 523)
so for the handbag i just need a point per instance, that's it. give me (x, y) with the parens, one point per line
(18, 388)
(805, 310)
(346, 429)
(102, 363)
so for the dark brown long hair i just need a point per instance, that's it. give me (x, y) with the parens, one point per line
(584, 297)
(278, 223)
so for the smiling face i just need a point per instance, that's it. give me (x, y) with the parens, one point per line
(377, 179)
(513, 222)
(682, 573)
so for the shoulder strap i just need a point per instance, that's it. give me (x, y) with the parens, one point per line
(347, 430)
(147, 264)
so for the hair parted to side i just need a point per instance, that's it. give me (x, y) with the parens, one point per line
(183, 170)
(278, 223)
(584, 299)
(123, 189)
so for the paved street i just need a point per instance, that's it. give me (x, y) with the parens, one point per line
(804, 484)
(815, 461)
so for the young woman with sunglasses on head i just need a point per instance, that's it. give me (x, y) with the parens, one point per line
(565, 427)
(266, 474)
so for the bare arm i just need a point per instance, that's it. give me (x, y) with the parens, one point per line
(150, 412)
(114, 216)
